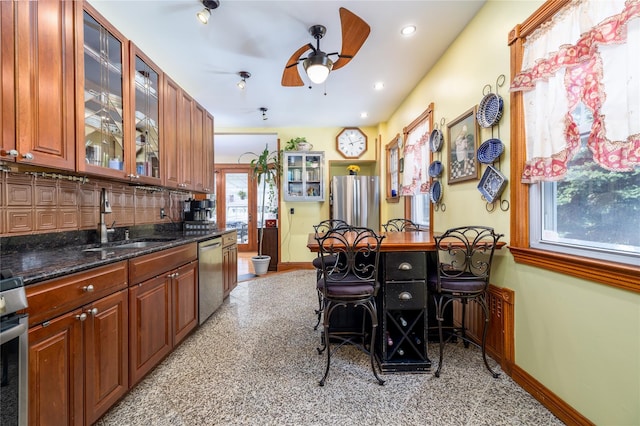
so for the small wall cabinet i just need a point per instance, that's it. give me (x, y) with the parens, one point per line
(303, 178)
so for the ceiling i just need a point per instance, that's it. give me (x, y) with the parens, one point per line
(260, 36)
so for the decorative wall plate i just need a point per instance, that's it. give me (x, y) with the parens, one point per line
(435, 169)
(492, 184)
(435, 193)
(490, 110)
(490, 150)
(435, 140)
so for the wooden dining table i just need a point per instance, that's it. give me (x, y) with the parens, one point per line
(393, 242)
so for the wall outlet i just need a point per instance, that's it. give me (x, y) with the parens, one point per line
(162, 214)
(291, 210)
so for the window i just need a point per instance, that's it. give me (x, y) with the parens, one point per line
(546, 231)
(415, 178)
(393, 169)
(593, 212)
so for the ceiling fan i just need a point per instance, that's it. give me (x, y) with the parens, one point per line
(317, 64)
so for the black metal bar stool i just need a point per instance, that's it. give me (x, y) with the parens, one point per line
(400, 225)
(320, 229)
(464, 257)
(349, 278)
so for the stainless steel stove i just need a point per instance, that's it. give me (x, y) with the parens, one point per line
(14, 351)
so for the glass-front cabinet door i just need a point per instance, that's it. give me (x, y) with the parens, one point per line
(100, 65)
(303, 178)
(145, 111)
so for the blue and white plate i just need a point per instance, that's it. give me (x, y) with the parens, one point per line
(490, 110)
(435, 169)
(435, 140)
(435, 193)
(492, 184)
(490, 150)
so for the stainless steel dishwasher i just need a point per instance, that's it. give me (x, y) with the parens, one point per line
(210, 281)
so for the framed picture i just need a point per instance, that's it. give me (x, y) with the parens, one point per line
(462, 134)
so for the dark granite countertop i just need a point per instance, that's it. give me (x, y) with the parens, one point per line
(39, 264)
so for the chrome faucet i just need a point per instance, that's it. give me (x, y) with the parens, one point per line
(105, 207)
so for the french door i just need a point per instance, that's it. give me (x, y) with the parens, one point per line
(236, 205)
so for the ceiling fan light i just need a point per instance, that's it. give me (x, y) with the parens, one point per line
(204, 15)
(318, 66)
(242, 84)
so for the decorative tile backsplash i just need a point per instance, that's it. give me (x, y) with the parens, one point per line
(32, 205)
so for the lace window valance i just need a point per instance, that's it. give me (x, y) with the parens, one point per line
(588, 53)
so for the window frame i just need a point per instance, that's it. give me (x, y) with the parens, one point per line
(613, 274)
(392, 146)
(426, 115)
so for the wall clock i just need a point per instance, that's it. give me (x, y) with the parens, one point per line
(351, 142)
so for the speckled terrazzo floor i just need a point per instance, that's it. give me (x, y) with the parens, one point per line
(254, 362)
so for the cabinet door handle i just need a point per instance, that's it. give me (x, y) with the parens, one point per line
(405, 266)
(405, 295)
(82, 316)
(93, 311)
(88, 288)
(28, 156)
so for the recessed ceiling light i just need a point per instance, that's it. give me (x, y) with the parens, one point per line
(364, 115)
(408, 30)
(379, 85)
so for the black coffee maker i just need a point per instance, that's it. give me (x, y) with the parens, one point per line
(198, 210)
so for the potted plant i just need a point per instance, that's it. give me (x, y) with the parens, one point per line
(298, 144)
(266, 168)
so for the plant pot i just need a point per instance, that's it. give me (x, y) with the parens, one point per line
(261, 264)
(304, 146)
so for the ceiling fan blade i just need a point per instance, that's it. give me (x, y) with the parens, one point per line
(354, 33)
(290, 75)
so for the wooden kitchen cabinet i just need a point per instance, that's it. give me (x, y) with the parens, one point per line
(170, 118)
(208, 154)
(163, 305)
(197, 147)
(44, 83)
(185, 140)
(145, 81)
(7, 81)
(56, 371)
(149, 325)
(102, 93)
(229, 262)
(78, 359)
(184, 286)
(270, 246)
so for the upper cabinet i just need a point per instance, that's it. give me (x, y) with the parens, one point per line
(145, 81)
(101, 58)
(303, 176)
(42, 91)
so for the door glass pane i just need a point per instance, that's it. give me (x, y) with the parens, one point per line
(237, 211)
(103, 115)
(146, 120)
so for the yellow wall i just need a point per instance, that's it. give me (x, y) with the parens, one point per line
(295, 228)
(580, 339)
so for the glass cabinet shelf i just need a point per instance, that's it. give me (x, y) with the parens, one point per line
(303, 178)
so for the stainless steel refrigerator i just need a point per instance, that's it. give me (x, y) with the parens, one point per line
(356, 200)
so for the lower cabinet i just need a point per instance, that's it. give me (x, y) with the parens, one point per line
(78, 363)
(149, 325)
(94, 334)
(163, 309)
(229, 262)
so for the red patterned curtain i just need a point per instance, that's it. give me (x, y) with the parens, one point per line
(588, 53)
(415, 178)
